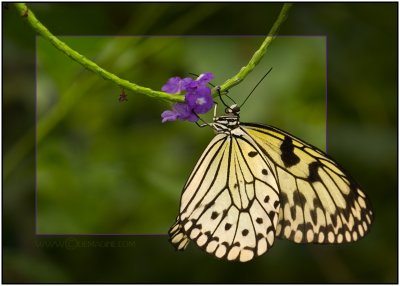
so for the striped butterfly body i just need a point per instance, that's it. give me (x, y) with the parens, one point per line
(254, 183)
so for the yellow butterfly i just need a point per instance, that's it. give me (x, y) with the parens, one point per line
(256, 182)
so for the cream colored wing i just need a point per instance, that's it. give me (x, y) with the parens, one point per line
(230, 203)
(320, 202)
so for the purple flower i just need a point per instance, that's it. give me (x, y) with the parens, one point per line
(180, 111)
(197, 98)
(201, 100)
(204, 78)
(172, 86)
(177, 84)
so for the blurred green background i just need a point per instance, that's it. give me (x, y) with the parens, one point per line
(110, 167)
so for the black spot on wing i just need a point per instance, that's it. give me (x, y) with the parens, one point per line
(317, 205)
(299, 199)
(209, 205)
(293, 212)
(208, 234)
(237, 243)
(252, 153)
(226, 244)
(334, 219)
(283, 198)
(313, 175)
(228, 226)
(270, 228)
(245, 232)
(287, 153)
(284, 223)
(314, 217)
(224, 213)
(272, 216)
(214, 215)
(346, 213)
(259, 236)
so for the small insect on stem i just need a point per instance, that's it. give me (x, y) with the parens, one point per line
(123, 96)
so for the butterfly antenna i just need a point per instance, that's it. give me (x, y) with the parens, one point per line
(220, 97)
(255, 87)
(226, 94)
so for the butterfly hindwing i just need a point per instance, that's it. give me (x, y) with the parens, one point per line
(320, 202)
(177, 237)
(230, 203)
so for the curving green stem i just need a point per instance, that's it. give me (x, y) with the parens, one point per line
(88, 64)
(257, 56)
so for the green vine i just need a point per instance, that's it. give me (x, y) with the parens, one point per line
(27, 14)
(258, 55)
(88, 64)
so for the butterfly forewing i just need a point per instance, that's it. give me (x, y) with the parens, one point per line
(320, 202)
(230, 204)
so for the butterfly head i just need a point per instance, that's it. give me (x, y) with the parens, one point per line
(233, 110)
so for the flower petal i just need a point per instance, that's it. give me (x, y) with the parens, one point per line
(204, 78)
(185, 112)
(169, 115)
(200, 101)
(186, 83)
(172, 86)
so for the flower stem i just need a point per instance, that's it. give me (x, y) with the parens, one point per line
(257, 56)
(88, 64)
(125, 84)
